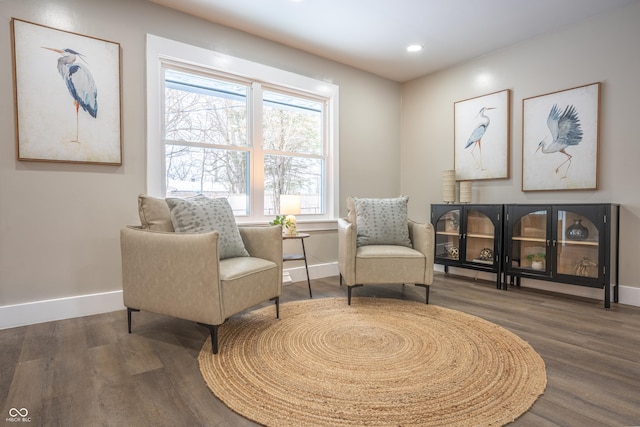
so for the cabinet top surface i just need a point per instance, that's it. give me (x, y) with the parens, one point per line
(523, 204)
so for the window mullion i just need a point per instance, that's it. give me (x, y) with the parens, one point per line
(257, 157)
(294, 154)
(206, 145)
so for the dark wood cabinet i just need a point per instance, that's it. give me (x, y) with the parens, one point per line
(570, 243)
(469, 236)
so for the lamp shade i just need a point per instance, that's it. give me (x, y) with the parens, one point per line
(465, 191)
(289, 204)
(449, 186)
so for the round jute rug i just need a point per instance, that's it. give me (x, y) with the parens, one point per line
(378, 362)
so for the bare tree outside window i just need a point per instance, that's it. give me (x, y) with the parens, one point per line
(206, 138)
(294, 152)
(208, 149)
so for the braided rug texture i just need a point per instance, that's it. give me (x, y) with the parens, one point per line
(378, 362)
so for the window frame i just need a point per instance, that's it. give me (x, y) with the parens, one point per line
(163, 52)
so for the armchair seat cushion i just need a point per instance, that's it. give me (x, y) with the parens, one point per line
(247, 281)
(388, 263)
(234, 268)
(386, 251)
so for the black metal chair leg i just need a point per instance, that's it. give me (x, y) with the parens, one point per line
(427, 288)
(129, 311)
(214, 338)
(349, 292)
(213, 330)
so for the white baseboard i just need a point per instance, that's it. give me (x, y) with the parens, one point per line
(316, 271)
(12, 316)
(629, 295)
(29, 313)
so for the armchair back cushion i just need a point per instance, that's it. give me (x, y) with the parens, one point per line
(154, 214)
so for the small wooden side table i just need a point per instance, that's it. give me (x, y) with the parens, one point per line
(298, 257)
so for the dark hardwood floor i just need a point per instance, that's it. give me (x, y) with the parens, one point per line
(89, 371)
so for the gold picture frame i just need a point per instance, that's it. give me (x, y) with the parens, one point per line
(67, 95)
(482, 137)
(560, 140)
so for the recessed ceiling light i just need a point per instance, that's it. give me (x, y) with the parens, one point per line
(414, 48)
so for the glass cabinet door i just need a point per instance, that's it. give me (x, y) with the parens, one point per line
(480, 237)
(529, 241)
(448, 235)
(572, 243)
(578, 245)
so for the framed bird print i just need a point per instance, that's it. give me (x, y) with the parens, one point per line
(67, 92)
(481, 137)
(560, 140)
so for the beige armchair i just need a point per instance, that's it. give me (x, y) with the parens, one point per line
(385, 263)
(180, 274)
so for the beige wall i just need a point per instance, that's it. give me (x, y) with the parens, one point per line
(59, 223)
(603, 49)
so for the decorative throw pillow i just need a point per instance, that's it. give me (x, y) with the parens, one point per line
(382, 221)
(202, 214)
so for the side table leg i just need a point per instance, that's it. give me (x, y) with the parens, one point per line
(306, 267)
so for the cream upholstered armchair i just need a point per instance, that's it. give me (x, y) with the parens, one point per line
(378, 244)
(198, 275)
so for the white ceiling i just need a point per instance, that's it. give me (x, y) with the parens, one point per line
(372, 35)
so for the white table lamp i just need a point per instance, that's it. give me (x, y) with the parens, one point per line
(449, 186)
(290, 206)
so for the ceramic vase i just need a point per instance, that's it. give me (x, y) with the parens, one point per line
(577, 231)
(537, 265)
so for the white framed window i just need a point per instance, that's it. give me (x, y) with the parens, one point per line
(226, 127)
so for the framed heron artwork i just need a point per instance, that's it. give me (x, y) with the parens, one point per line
(67, 92)
(560, 140)
(481, 137)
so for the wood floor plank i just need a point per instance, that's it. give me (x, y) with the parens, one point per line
(113, 384)
(166, 407)
(90, 371)
(31, 388)
(104, 329)
(80, 408)
(39, 341)
(11, 342)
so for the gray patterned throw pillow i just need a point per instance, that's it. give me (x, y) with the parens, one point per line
(202, 214)
(382, 221)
